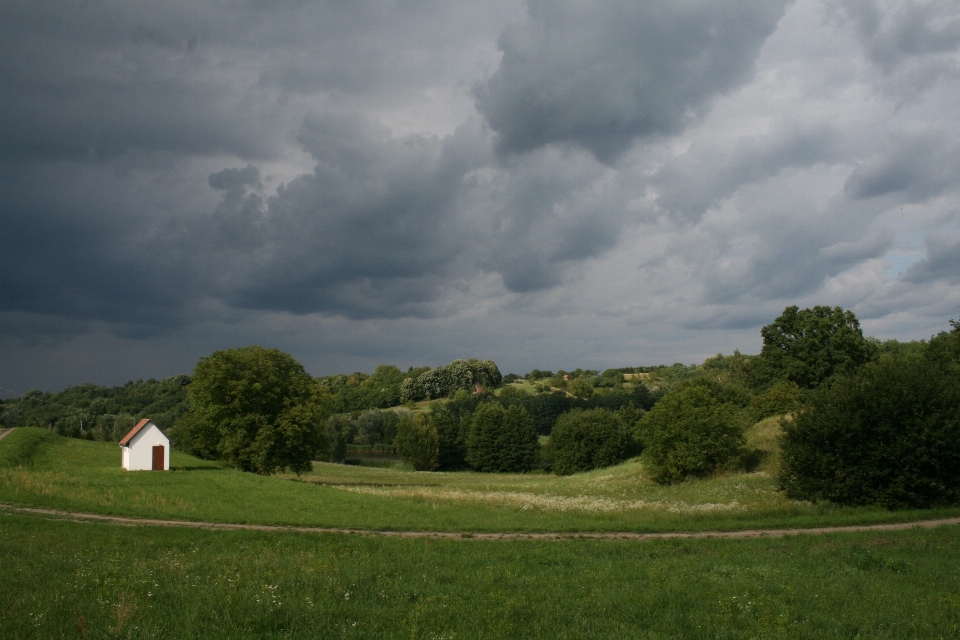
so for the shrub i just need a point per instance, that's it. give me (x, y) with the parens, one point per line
(502, 440)
(584, 440)
(690, 433)
(417, 442)
(888, 435)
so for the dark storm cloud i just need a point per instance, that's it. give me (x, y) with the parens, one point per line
(920, 165)
(93, 80)
(372, 231)
(78, 249)
(601, 75)
(552, 209)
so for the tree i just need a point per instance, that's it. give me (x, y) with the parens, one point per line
(811, 346)
(502, 440)
(690, 433)
(417, 442)
(580, 388)
(584, 440)
(256, 409)
(339, 431)
(452, 432)
(888, 435)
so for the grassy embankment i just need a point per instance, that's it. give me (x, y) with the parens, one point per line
(39, 469)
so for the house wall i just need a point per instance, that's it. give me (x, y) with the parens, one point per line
(139, 452)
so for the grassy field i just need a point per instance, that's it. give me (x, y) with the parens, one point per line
(40, 469)
(70, 580)
(63, 579)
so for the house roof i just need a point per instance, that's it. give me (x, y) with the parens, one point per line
(134, 431)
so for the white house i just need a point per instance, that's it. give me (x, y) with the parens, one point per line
(145, 448)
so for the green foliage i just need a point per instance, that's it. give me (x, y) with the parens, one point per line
(360, 391)
(339, 431)
(417, 442)
(689, 432)
(888, 435)
(580, 388)
(502, 440)
(612, 378)
(100, 413)
(536, 374)
(584, 440)
(781, 397)
(256, 409)
(812, 346)
(452, 433)
(377, 427)
(945, 346)
(445, 381)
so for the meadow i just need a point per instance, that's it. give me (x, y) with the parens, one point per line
(60, 578)
(46, 470)
(71, 580)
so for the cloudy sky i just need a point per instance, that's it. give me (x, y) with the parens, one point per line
(549, 183)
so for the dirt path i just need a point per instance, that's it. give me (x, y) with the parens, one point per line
(4, 433)
(614, 535)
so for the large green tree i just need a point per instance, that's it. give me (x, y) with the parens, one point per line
(256, 409)
(811, 346)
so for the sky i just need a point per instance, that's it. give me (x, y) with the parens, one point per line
(549, 184)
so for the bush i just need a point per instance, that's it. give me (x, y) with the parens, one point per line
(417, 442)
(690, 433)
(585, 440)
(888, 435)
(502, 440)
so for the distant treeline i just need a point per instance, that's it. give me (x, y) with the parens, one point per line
(767, 384)
(100, 413)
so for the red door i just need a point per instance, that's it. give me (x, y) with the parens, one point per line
(158, 457)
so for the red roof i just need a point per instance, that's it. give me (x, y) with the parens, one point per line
(134, 431)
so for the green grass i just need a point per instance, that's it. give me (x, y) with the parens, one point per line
(76, 475)
(68, 580)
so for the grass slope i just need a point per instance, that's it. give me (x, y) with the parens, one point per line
(68, 580)
(38, 469)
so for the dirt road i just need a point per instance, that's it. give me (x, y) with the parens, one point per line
(614, 535)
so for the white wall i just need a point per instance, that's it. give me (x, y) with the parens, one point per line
(138, 454)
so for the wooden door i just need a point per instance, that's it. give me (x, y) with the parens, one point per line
(158, 456)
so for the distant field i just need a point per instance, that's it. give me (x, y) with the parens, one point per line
(40, 469)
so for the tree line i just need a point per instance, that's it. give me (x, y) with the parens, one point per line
(864, 421)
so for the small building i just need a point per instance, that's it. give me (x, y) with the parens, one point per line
(145, 448)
